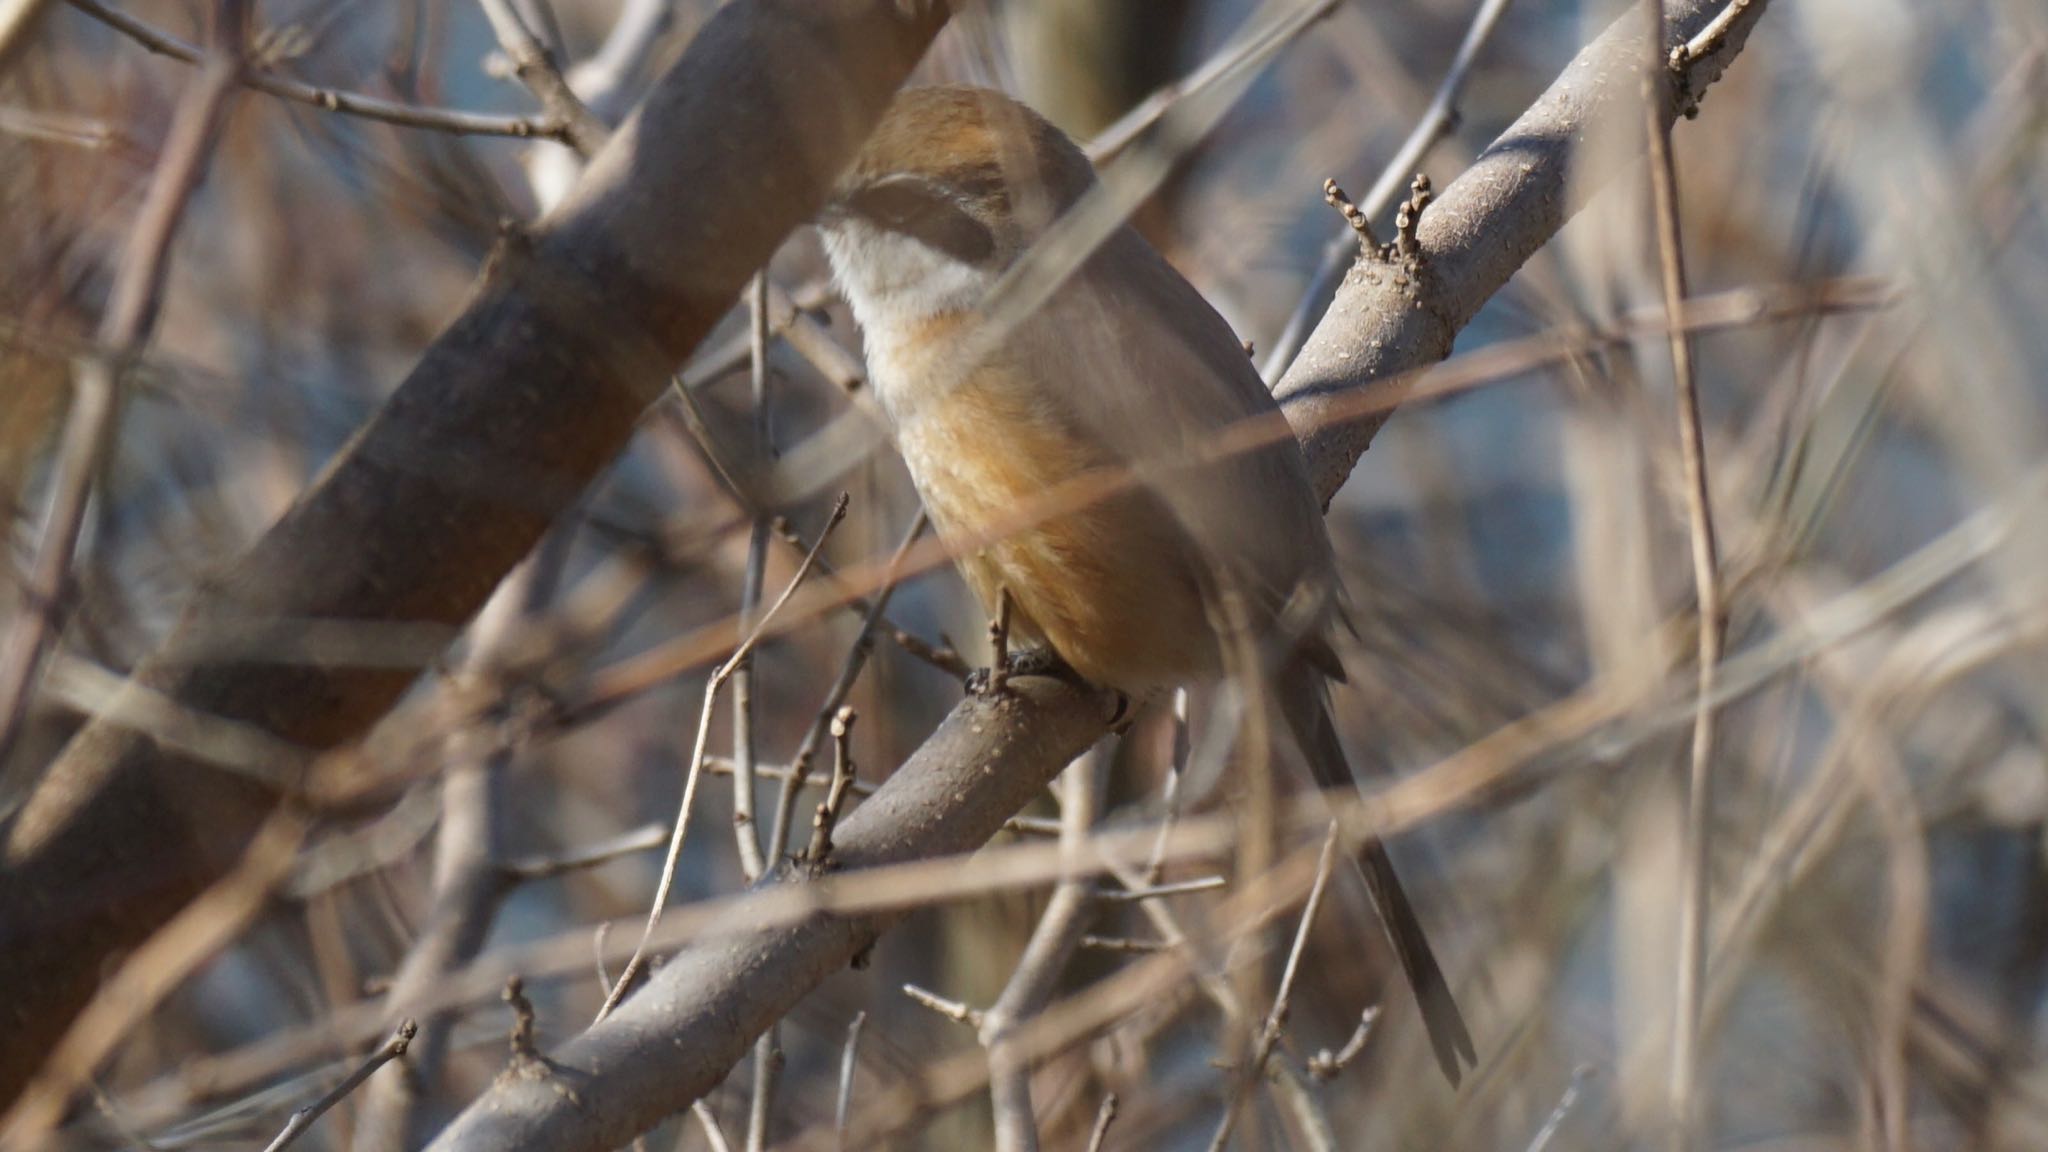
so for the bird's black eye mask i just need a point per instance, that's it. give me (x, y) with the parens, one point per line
(929, 214)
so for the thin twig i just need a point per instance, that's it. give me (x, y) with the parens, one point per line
(999, 644)
(1269, 1032)
(696, 771)
(356, 104)
(1052, 944)
(304, 1117)
(1439, 120)
(1690, 986)
(1169, 793)
(1325, 1065)
(820, 850)
(1218, 66)
(714, 1136)
(952, 1010)
(1127, 945)
(537, 69)
(940, 656)
(1155, 891)
(1557, 1116)
(1104, 1117)
(745, 828)
(645, 838)
(849, 672)
(849, 1061)
(124, 330)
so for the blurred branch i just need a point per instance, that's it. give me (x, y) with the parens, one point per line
(676, 1040)
(589, 314)
(1046, 953)
(332, 99)
(1268, 1036)
(124, 330)
(469, 881)
(304, 1117)
(1220, 66)
(1689, 985)
(719, 676)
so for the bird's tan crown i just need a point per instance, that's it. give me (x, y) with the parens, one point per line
(972, 138)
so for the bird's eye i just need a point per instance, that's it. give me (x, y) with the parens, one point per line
(925, 214)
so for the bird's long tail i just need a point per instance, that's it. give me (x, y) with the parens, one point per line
(1304, 704)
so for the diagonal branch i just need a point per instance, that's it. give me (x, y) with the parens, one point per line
(528, 395)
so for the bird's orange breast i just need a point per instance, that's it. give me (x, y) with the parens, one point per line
(1108, 586)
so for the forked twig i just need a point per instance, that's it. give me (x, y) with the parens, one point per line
(719, 676)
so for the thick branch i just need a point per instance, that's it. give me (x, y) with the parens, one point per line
(1385, 325)
(531, 392)
(678, 1037)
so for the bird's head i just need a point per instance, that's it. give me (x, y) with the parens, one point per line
(954, 184)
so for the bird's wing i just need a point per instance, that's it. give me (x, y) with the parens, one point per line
(1207, 434)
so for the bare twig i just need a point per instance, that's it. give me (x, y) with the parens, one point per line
(304, 1117)
(849, 673)
(1250, 49)
(59, 128)
(1169, 793)
(645, 838)
(849, 1062)
(331, 99)
(696, 770)
(1439, 120)
(1690, 986)
(1325, 1065)
(745, 829)
(1449, 786)
(1030, 987)
(1155, 891)
(999, 644)
(1565, 1103)
(124, 331)
(537, 69)
(525, 1024)
(940, 656)
(1269, 1032)
(820, 851)
(1124, 944)
(953, 1010)
(714, 1136)
(1104, 1117)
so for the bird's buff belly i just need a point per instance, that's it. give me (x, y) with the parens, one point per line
(1102, 574)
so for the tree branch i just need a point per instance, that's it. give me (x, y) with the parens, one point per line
(517, 405)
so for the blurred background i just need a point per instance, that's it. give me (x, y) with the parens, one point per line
(1862, 196)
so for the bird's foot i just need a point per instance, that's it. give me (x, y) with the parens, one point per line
(1022, 662)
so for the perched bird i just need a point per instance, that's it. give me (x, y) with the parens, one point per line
(1124, 367)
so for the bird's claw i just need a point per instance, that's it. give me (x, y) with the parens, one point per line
(1022, 662)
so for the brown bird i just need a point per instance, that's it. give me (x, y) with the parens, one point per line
(1125, 367)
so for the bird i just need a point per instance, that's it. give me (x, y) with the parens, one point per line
(1125, 367)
